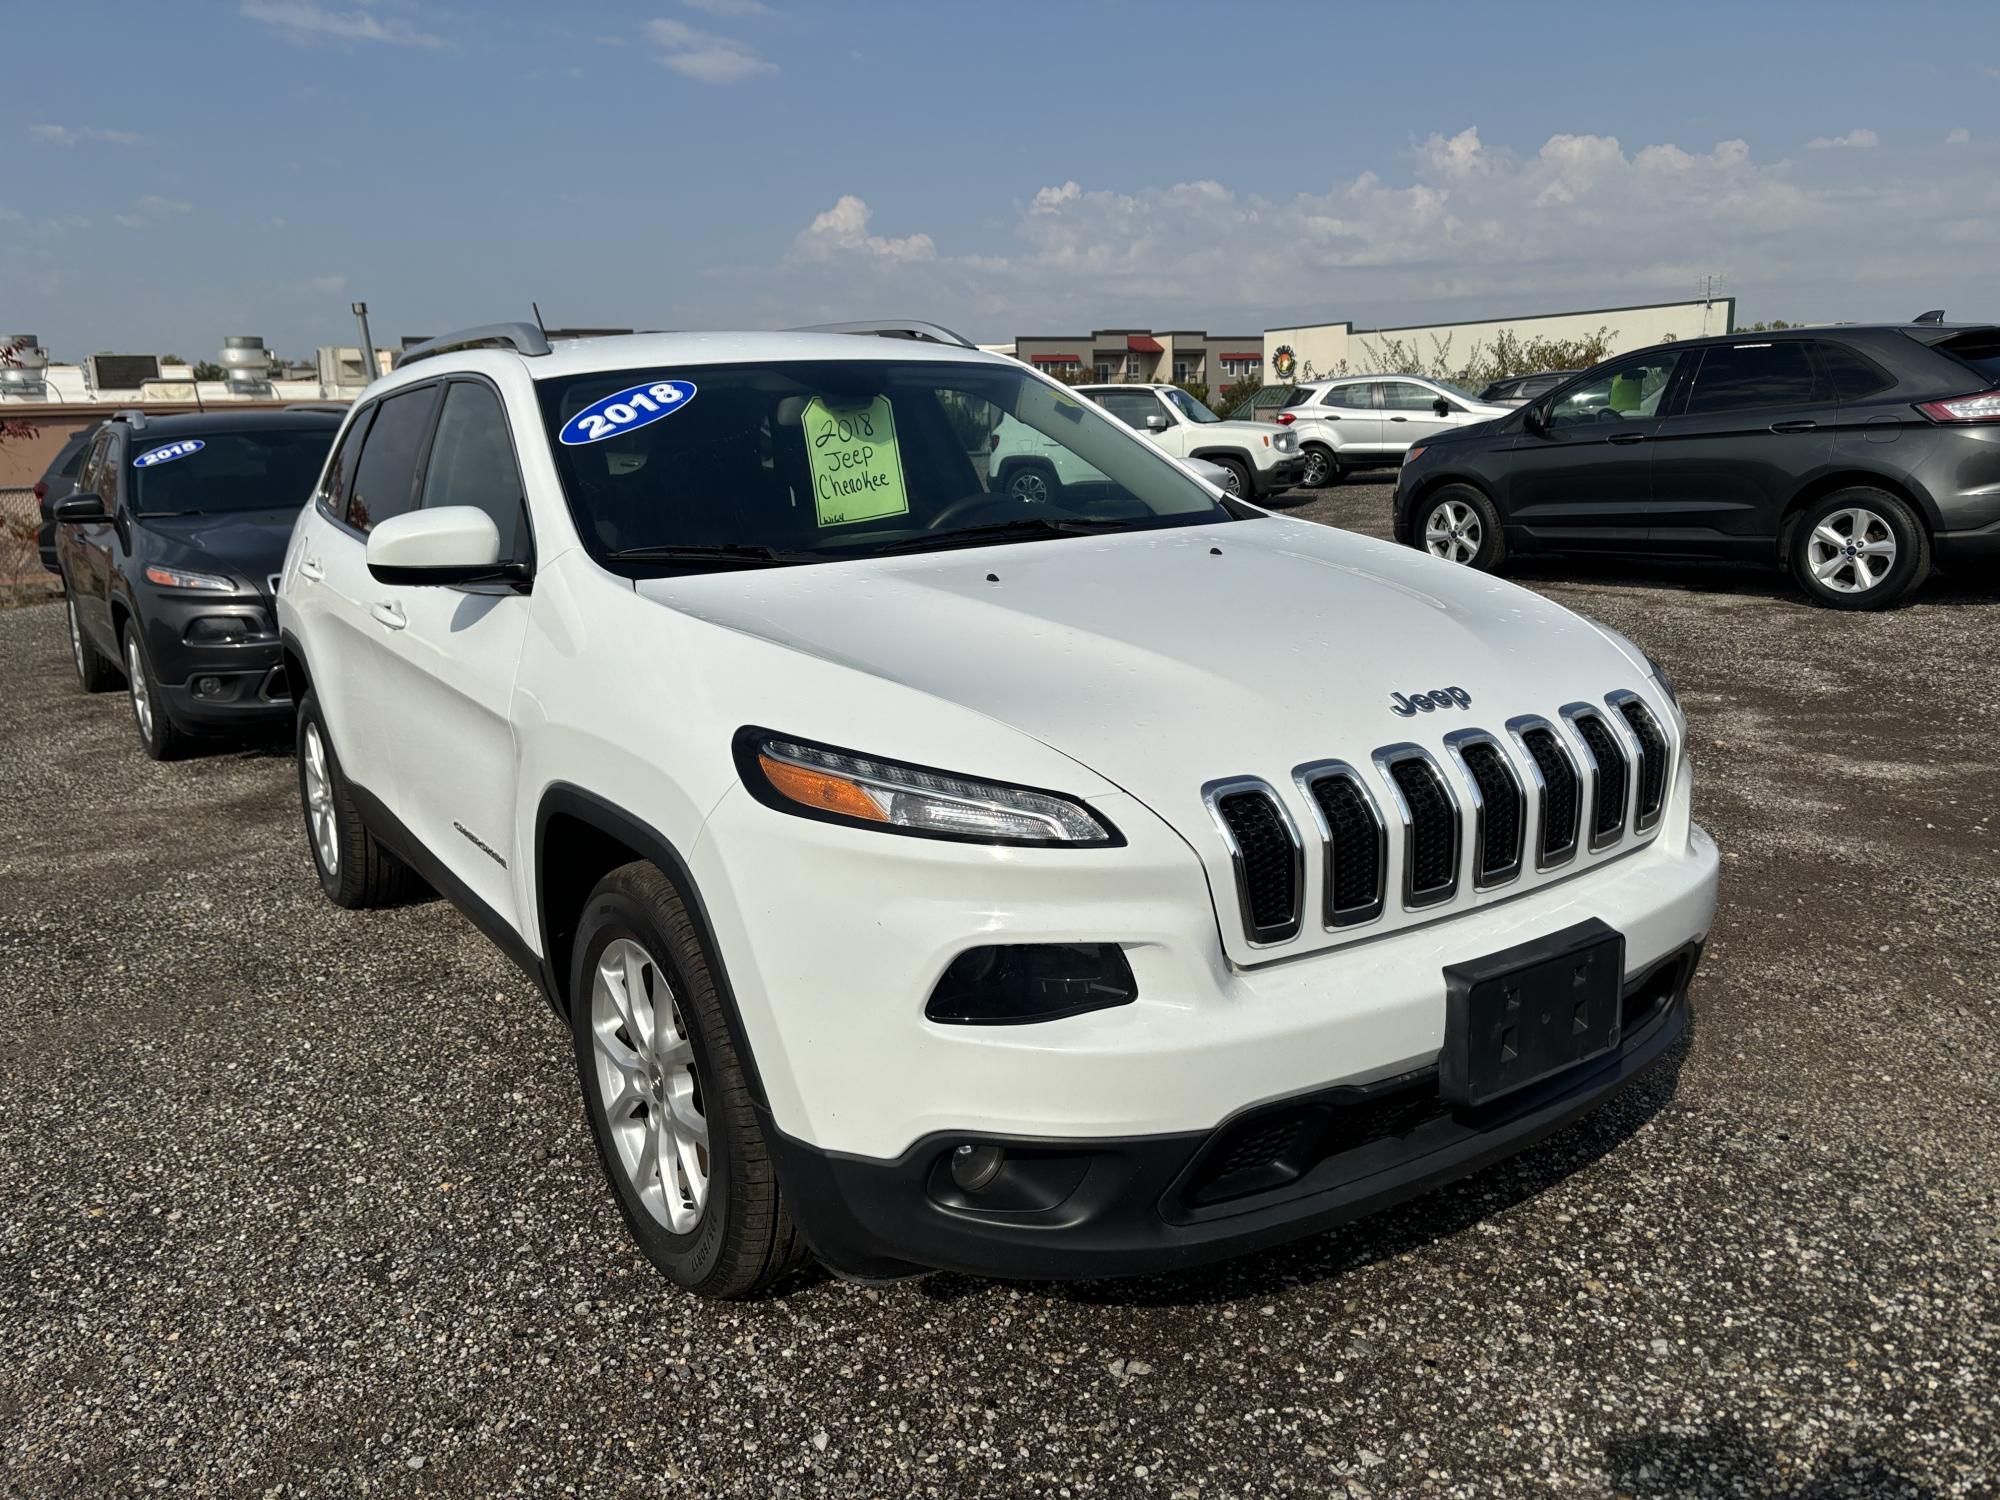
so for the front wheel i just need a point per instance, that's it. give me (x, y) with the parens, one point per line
(668, 1102)
(354, 869)
(159, 736)
(1859, 549)
(1460, 525)
(1237, 477)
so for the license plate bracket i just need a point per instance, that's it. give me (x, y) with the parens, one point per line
(1519, 1016)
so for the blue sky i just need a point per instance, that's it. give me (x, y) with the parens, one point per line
(174, 173)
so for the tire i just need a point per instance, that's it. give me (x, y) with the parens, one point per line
(1859, 548)
(714, 1221)
(1239, 484)
(1034, 483)
(94, 670)
(159, 736)
(1323, 467)
(354, 868)
(1459, 524)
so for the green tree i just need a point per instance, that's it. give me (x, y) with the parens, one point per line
(207, 369)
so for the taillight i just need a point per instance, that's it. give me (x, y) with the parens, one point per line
(1984, 407)
(1285, 419)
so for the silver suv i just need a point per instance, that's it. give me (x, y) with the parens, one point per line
(1370, 421)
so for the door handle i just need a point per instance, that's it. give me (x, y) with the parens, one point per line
(390, 614)
(1399, 419)
(1626, 437)
(1802, 425)
(310, 569)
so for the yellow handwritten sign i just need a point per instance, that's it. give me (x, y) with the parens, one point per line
(857, 469)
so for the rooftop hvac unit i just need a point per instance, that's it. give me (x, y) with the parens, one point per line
(246, 365)
(28, 369)
(121, 372)
(341, 366)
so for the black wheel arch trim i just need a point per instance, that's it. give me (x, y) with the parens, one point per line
(567, 800)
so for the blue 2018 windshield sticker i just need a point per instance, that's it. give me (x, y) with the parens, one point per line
(169, 453)
(621, 411)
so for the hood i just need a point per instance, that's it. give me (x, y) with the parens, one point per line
(249, 544)
(1167, 659)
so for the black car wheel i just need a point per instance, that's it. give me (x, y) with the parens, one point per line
(159, 736)
(1323, 467)
(1859, 549)
(666, 1094)
(354, 868)
(1460, 525)
(97, 672)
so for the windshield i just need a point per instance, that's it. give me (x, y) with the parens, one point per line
(746, 465)
(1188, 407)
(220, 472)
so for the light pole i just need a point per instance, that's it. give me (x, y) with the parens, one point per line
(367, 344)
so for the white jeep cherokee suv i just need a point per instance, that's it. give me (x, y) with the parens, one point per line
(931, 878)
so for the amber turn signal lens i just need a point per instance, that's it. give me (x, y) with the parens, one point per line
(820, 789)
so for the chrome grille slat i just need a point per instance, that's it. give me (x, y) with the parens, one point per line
(1654, 755)
(1558, 789)
(1265, 854)
(1354, 838)
(1430, 814)
(1609, 775)
(1499, 806)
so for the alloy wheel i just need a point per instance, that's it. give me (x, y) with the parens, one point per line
(135, 674)
(1029, 485)
(1453, 532)
(1317, 468)
(1851, 551)
(646, 1079)
(319, 802)
(75, 637)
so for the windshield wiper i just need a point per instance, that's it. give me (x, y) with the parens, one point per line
(725, 554)
(1000, 531)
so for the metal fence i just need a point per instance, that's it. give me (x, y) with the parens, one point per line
(20, 564)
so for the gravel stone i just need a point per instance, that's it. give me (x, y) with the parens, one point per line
(298, 1202)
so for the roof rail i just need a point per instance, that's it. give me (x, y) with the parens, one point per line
(131, 416)
(929, 333)
(522, 338)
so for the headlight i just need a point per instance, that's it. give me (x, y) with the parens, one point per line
(1652, 663)
(1411, 455)
(842, 787)
(180, 578)
(1285, 442)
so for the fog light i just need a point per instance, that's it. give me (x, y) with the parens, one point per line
(1012, 983)
(973, 1167)
(207, 687)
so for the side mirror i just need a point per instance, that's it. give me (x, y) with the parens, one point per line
(76, 510)
(1441, 406)
(1156, 422)
(452, 544)
(1535, 417)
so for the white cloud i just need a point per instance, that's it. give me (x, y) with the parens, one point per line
(303, 20)
(1958, 136)
(65, 135)
(843, 230)
(704, 56)
(1859, 140)
(325, 286)
(1466, 227)
(730, 7)
(151, 209)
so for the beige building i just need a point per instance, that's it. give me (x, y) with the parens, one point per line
(1310, 351)
(1141, 355)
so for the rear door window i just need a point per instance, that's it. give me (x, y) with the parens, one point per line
(385, 480)
(1853, 375)
(1740, 377)
(472, 463)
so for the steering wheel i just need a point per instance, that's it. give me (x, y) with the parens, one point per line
(1608, 414)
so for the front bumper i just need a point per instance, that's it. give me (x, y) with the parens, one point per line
(1138, 1205)
(1282, 475)
(215, 686)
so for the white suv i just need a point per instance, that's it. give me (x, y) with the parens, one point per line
(1371, 421)
(931, 878)
(1260, 459)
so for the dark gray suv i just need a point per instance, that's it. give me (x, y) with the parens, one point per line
(1852, 455)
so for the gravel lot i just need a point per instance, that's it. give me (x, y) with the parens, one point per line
(300, 1202)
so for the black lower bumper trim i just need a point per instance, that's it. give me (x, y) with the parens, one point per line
(1143, 1204)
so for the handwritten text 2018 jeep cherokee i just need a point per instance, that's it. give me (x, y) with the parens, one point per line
(934, 877)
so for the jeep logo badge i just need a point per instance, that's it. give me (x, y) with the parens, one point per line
(1423, 703)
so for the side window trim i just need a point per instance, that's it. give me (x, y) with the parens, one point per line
(433, 389)
(526, 544)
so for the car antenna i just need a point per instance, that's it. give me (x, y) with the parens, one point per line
(538, 318)
(1935, 315)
